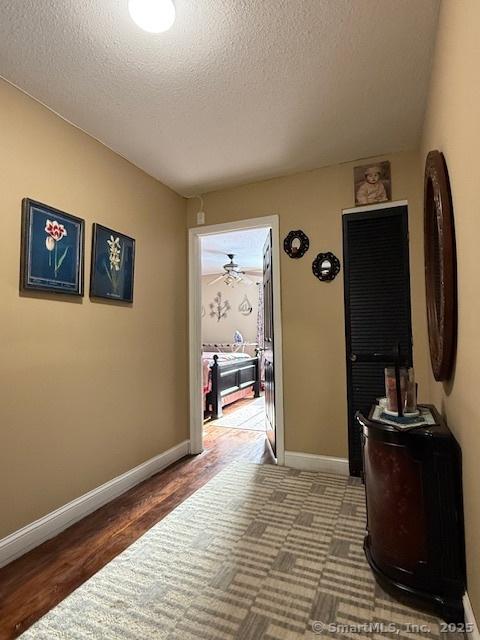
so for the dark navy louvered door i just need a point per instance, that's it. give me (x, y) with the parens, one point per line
(377, 308)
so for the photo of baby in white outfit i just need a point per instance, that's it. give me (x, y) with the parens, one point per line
(372, 183)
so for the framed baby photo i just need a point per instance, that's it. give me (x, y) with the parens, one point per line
(373, 183)
(113, 261)
(52, 251)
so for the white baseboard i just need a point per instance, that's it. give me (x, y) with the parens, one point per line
(30, 536)
(312, 462)
(470, 621)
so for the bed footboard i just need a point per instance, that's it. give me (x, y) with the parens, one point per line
(229, 377)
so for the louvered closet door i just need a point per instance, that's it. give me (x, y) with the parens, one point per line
(377, 307)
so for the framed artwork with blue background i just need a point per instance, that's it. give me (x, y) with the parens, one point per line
(113, 261)
(52, 252)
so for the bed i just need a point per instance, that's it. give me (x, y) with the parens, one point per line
(228, 377)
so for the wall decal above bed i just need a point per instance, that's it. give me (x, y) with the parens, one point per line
(245, 307)
(326, 266)
(296, 244)
(219, 308)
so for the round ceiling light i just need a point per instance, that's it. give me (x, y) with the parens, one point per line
(153, 16)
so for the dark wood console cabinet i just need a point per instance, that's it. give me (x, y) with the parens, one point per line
(415, 536)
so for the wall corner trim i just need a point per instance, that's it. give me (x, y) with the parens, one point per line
(312, 462)
(33, 534)
(470, 620)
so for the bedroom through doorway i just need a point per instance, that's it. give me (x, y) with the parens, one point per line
(233, 331)
(232, 376)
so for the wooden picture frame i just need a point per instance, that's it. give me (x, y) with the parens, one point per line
(112, 264)
(52, 250)
(440, 266)
(372, 183)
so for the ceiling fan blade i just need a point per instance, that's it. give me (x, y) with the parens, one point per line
(214, 252)
(216, 279)
(246, 280)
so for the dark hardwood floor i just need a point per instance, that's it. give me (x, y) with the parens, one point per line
(36, 582)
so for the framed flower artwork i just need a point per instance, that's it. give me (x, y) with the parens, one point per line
(52, 251)
(113, 260)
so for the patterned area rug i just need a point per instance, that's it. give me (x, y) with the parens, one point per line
(259, 553)
(251, 416)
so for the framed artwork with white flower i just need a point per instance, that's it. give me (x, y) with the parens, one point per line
(52, 251)
(113, 261)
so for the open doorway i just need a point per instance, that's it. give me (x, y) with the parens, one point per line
(233, 329)
(235, 332)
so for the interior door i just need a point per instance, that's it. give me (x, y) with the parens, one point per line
(268, 342)
(377, 308)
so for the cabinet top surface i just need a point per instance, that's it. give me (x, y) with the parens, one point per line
(440, 429)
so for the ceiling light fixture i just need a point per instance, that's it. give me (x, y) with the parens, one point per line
(153, 16)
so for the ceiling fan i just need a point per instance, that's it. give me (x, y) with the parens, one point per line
(233, 275)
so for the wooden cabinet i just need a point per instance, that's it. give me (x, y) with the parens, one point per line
(415, 536)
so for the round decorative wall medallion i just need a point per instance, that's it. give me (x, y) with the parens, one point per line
(326, 266)
(296, 244)
(440, 266)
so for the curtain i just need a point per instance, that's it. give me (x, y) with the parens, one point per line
(260, 335)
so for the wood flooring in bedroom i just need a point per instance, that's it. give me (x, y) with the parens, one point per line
(36, 582)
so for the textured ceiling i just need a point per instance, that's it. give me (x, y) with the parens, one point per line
(237, 90)
(247, 246)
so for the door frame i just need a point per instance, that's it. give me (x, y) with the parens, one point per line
(363, 212)
(195, 325)
(373, 207)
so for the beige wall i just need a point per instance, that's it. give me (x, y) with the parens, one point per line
(452, 125)
(312, 312)
(88, 390)
(214, 331)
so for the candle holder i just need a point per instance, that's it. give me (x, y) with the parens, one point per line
(400, 379)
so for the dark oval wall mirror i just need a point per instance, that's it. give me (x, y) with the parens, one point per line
(440, 266)
(296, 244)
(326, 266)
